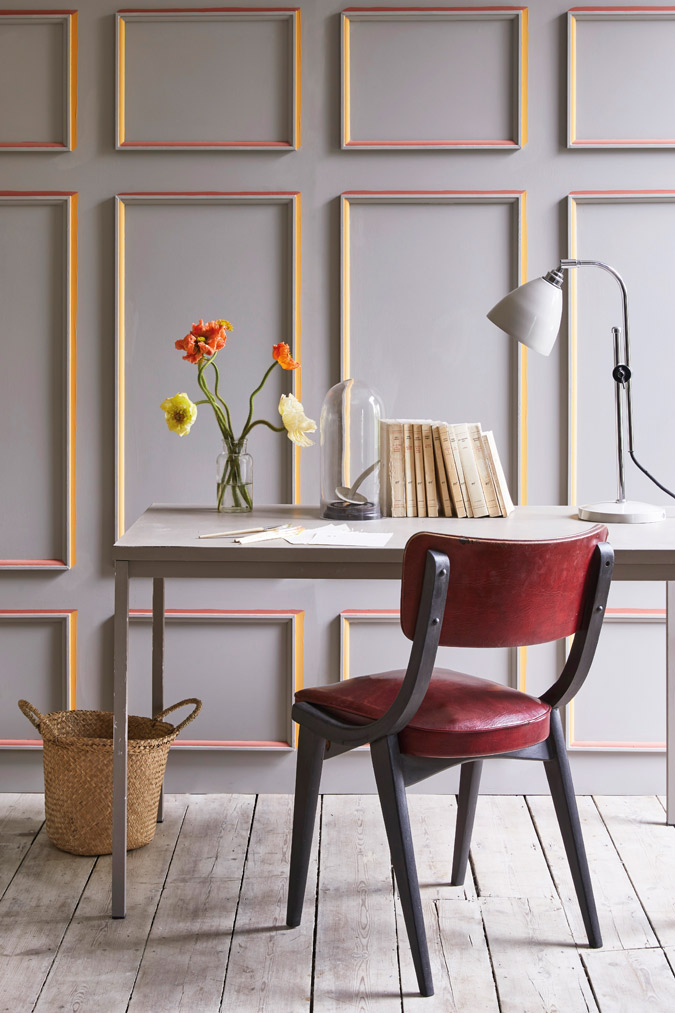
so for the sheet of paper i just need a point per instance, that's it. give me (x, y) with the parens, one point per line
(339, 534)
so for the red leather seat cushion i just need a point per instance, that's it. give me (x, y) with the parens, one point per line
(461, 715)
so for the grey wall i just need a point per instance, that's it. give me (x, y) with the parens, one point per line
(424, 270)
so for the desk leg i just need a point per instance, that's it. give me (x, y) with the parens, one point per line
(670, 702)
(120, 736)
(158, 663)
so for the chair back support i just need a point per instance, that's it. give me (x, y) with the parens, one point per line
(504, 593)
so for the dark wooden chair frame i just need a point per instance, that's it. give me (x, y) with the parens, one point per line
(323, 736)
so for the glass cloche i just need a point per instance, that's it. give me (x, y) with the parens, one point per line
(350, 452)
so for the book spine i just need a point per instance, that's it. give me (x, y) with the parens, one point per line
(419, 471)
(460, 472)
(429, 471)
(451, 471)
(409, 461)
(471, 477)
(440, 472)
(396, 470)
(385, 488)
(501, 485)
(483, 470)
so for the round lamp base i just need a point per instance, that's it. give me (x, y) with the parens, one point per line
(628, 512)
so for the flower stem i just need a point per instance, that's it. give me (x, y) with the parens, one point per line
(225, 429)
(227, 410)
(263, 422)
(247, 424)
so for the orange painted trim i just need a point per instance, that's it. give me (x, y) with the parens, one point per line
(620, 193)
(633, 9)
(205, 144)
(467, 10)
(432, 193)
(231, 744)
(209, 10)
(208, 193)
(219, 612)
(72, 29)
(72, 378)
(435, 144)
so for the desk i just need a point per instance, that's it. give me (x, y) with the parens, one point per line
(164, 542)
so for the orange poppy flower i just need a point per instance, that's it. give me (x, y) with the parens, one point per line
(204, 339)
(282, 354)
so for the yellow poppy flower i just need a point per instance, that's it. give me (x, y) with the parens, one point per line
(180, 413)
(296, 422)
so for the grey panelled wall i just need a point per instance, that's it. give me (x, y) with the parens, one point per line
(463, 172)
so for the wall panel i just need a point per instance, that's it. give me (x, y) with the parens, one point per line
(41, 45)
(168, 278)
(223, 78)
(610, 110)
(220, 650)
(38, 285)
(38, 648)
(453, 77)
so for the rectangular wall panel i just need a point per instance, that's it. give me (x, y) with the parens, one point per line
(603, 226)
(371, 641)
(167, 277)
(244, 666)
(38, 649)
(620, 64)
(38, 291)
(38, 80)
(603, 717)
(437, 77)
(420, 270)
(220, 78)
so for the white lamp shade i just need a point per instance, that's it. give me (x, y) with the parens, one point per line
(531, 314)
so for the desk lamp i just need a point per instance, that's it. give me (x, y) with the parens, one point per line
(531, 314)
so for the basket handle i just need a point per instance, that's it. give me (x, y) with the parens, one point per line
(188, 719)
(35, 718)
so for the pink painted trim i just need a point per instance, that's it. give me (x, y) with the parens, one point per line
(206, 10)
(210, 193)
(421, 193)
(370, 612)
(240, 744)
(617, 745)
(601, 9)
(219, 612)
(349, 10)
(436, 144)
(206, 144)
(599, 193)
(32, 144)
(635, 612)
(38, 193)
(38, 612)
(20, 742)
(37, 12)
(44, 563)
(624, 140)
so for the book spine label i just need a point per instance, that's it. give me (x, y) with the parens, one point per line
(483, 470)
(409, 462)
(385, 488)
(471, 477)
(419, 471)
(396, 470)
(451, 472)
(454, 446)
(446, 501)
(429, 471)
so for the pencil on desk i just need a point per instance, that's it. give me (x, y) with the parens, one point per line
(238, 531)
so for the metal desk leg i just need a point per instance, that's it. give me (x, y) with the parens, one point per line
(120, 734)
(670, 702)
(158, 663)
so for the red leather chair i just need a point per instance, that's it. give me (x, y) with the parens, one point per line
(462, 592)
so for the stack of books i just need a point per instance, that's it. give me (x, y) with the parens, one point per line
(431, 468)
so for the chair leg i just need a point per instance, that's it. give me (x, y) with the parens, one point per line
(562, 791)
(469, 783)
(311, 749)
(391, 789)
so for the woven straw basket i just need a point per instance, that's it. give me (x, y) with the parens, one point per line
(78, 764)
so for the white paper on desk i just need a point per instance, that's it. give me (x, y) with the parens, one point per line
(340, 534)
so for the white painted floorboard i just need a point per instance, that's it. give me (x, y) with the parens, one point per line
(206, 928)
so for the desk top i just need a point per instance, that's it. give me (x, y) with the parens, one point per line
(166, 533)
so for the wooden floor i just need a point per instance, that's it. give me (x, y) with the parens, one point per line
(205, 928)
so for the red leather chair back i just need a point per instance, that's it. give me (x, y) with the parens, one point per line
(503, 593)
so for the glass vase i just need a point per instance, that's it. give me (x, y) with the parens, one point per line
(234, 478)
